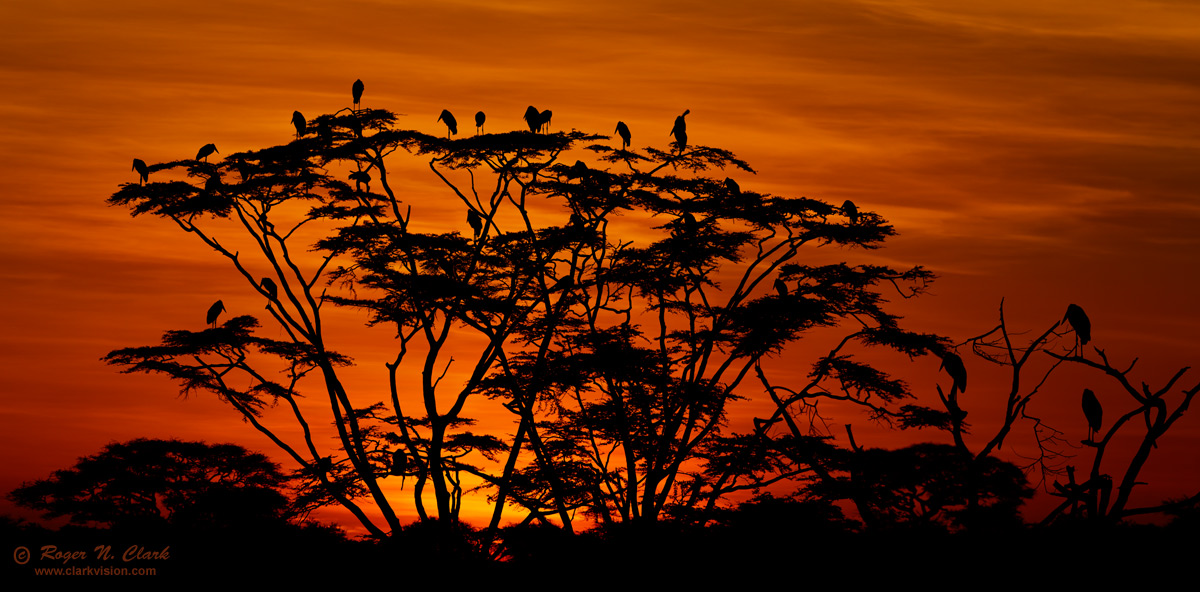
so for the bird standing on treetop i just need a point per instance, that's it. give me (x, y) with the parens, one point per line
(680, 130)
(357, 91)
(732, 186)
(956, 369)
(451, 123)
(476, 222)
(623, 131)
(851, 211)
(143, 171)
(1079, 322)
(299, 122)
(479, 119)
(399, 463)
(215, 311)
(544, 121)
(781, 287)
(533, 118)
(1092, 411)
(205, 151)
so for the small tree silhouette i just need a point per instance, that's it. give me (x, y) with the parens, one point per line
(615, 309)
(164, 483)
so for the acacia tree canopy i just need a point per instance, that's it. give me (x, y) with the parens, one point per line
(163, 483)
(616, 309)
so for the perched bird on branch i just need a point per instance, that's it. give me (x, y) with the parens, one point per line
(781, 287)
(476, 222)
(533, 118)
(1093, 412)
(479, 119)
(357, 91)
(732, 186)
(143, 171)
(623, 131)
(851, 211)
(215, 311)
(399, 463)
(1079, 323)
(271, 289)
(680, 130)
(205, 151)
(956, 369)
(451, 124)
(544, 121)
(299, 122)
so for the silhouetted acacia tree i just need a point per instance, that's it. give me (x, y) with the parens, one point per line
(615, 309)
(156, 483)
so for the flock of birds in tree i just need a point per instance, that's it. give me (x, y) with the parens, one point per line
(539, 122)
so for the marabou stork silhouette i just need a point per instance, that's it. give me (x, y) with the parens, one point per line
(1093, 412)
(1079, 323)
(362, 177)
(399, 463)
(215, 311)
(544, 121)
(299, 122)
(451, 124)
(479, 119)
(732, 186)
(623, 131)
(851, 211)
(781, 287)
(357, 91)
(533, 118)
(205, 151)
(956, 369)
(680, 130)
(143, 171)
(476, 222)
(270, 288)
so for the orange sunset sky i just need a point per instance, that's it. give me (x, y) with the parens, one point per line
(1042, 152)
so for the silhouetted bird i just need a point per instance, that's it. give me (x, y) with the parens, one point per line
(732, 186)
(451, 123)
(781, 287)
(205, 151)
(269, 286)
(479, 119)
(361, 176)
(298, 121)
(1079, 322)
(476, 222)
(213, 183)
(1092, 411)
(357, 91)
(680, 130)
(325, 132)
(533, 118)
(143, 171)
(356, 126)
(956, 369)
(215, 311)
(544, 121)
(851, 211)
(623, 131)
(399, 463)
